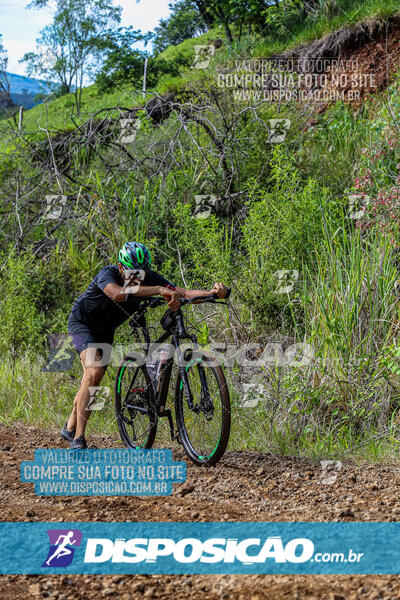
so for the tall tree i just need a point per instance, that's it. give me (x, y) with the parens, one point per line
(71, 46)
(122, 61)
(185, 21)
(216, 11)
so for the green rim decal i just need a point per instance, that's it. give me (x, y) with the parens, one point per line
(212, 453)
(187, 369)
(119, 379)
(198, 359)
(215, 449)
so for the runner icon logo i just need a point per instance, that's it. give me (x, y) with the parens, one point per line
(63, 543)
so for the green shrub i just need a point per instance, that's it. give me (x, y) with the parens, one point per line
(352, 314)
(21, 285)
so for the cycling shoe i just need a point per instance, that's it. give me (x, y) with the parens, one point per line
(67, 435)
(79, 443)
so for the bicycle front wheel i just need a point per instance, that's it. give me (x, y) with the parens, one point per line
(135, 409)
(204, 429)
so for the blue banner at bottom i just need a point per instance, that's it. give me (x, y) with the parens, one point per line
(215, 548)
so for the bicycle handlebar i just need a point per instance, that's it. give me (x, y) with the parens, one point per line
(138, 319)
(211, 298)
(153, 301)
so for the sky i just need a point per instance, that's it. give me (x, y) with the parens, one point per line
(20, 27)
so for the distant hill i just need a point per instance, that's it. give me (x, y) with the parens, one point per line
(24, 89)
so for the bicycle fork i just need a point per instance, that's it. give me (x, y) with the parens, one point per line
(205, 395)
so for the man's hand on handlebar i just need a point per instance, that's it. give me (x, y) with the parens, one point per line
(176, 298)
(171, 297)
(220, 289)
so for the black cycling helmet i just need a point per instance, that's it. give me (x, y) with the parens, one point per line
(134, 255)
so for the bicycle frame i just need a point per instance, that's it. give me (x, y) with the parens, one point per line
(161, 386)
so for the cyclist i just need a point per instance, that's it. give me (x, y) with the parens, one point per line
(104, 306)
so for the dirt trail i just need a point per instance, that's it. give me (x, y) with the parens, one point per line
(243, 487)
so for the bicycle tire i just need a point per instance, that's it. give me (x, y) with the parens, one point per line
(185, 416)
(142, 397)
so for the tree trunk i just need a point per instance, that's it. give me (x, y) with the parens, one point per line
(228, 33)
(76, 94)
(204, 13)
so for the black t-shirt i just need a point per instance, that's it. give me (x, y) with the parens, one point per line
(98, 311)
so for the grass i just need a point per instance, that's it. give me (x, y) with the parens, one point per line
(265, 429)
(58, 114)
(45, 399)
(186, 48)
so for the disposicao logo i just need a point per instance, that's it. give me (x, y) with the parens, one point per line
(63, 543)
(190, 550)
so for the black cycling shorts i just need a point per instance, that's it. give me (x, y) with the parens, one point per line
(84, 337)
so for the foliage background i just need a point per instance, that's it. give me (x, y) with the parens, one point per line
(277, 207)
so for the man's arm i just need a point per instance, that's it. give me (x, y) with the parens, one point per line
(121, 294)
(218, 288)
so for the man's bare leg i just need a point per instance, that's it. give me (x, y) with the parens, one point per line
(92, 377)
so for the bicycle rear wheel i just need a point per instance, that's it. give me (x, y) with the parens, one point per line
(204, 430)
(135, 409)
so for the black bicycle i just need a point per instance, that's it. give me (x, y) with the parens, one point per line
(202, 405)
